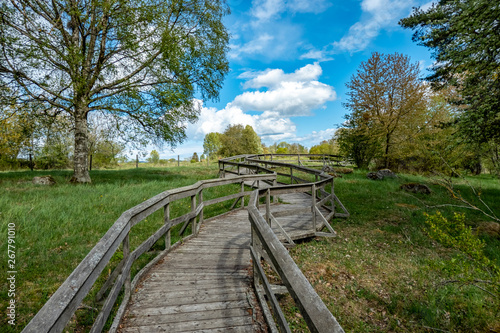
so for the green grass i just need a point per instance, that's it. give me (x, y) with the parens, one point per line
(57, 226)
(382, 273)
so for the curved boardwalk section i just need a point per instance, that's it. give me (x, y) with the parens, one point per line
(204, 285)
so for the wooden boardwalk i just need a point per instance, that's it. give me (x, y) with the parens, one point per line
(205, 285)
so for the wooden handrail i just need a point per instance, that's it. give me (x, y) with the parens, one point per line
(57, 311)
(312, 308)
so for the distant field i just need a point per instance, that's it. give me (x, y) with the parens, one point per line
(382, 274)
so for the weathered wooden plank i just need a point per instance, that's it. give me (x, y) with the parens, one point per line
(225, 198)
(198, 284)
(187, 308)
(160, 300)
(292, 211)
(195, 326)
(148, 320)
(187, 275)
(166, 295)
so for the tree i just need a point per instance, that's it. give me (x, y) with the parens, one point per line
(195, 158)
(282, 147)
(297, 148)
(238, 140)
(154, 157)
(385, 98)
(105, 141)
(464, 37)
(250, 141)
(212, 144)
(140, 62)
(14, 133)
(355, 144)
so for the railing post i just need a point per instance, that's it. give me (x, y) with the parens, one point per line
(166, 219)
(291, 175)
(201, 203)
(313, 206)
(126, 253)
(275, 199)
(332, 198)
(193, 208)
(242, 197)
(268, 206)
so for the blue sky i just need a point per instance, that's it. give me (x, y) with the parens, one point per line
(289, 64)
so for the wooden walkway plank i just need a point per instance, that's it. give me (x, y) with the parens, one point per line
(204, 285)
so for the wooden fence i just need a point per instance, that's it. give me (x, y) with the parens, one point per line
(265, 244)
(55, 314)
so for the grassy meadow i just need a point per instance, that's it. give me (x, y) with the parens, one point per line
(56, 226)
(383, 273)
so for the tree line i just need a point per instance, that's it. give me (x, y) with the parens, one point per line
(81, 80)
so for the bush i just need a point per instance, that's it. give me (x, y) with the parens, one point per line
(471, 263)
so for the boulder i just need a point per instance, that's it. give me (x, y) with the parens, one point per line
(44, 180)
(387, 173)
(374, 176)
(327, 169)
(416, 188)
(381, 174)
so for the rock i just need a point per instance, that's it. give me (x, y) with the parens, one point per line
(44, 180)
(416, 188)
(327, 169)
(387, 173)
(490, 228)
(374, 176)
(381, 174)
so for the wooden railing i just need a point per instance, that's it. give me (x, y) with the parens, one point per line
(265, 244)
(55, 314)
(254, 164)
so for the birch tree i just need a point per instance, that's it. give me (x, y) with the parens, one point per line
(140, 62)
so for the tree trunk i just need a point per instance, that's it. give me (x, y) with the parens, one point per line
(81, 171)
(386, 157)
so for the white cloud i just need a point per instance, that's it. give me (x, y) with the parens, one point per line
(266, 9)
(255, 46)
(286, 95)
(319, 55)
(268, 32)
(377, 15)
(308, 6)
(273, 78)
(317, 136)
(290, 98)
(294, 94)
